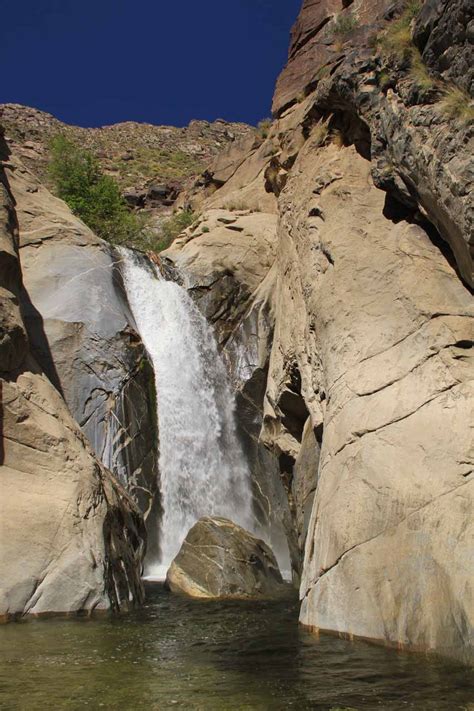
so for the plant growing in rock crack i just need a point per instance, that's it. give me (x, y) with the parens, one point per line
(235, 206)
(457, 105)
(341, 27)
(343, 24)
(397, 42)
(320, 133)
(337, 137)
(419, 72)
(263, 127)
(397, 38)
(383, 79)
(174, 226)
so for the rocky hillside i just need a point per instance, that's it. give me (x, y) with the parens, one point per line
(139, 155)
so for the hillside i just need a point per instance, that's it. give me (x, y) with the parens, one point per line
(138, 155)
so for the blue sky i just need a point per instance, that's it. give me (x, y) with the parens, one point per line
(95, 62)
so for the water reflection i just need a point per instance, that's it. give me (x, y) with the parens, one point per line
(177, 653)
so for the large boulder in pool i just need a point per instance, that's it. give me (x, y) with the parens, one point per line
(219, 559)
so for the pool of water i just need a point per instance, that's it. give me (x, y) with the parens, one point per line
(214, 656)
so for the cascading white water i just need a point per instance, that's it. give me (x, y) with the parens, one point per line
(202, 466)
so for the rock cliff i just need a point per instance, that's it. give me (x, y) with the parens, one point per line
(82, 334)
(71, 538)
(351, 349)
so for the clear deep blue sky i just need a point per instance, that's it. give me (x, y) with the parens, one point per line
(96, 62)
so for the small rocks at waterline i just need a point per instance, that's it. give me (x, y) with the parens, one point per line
(219, 559)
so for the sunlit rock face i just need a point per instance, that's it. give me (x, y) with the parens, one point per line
(71, 538)
(377, 323)
(360, 326)
(82, 334)
(221, 560)
(394, 115)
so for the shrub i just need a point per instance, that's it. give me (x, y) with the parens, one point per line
(235, 206)
(93, 196)
(263, 127)
(456, 104)
(320, 133)
(173, 227)
(397, 38)
(337, 137)
(383, 79)
(418, 71)
(343, 24)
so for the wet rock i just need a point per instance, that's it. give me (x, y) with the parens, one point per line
(231, 277)
(82, 334)
(71, 539)
(219, 559)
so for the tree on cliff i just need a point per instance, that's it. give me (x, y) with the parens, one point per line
(94, 196)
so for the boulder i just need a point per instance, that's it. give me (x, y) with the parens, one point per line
(219, 559)
(134, 198)
(162, 194)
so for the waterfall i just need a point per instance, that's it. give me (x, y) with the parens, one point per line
(202, 467)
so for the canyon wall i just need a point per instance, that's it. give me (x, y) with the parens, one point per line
(71, 537)
(82, 334)
(357, 358)
(333, 255)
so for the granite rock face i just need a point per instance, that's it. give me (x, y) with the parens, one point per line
(71, 538)
(362, 327)
(444, 34)
(393, 114)
(316, 40)
(379, 326)
(82, 334)
(221, 560)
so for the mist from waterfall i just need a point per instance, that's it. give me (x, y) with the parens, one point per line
(203, 470)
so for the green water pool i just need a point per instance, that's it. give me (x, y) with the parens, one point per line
(182, 654)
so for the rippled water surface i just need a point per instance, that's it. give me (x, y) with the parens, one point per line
(177, 653)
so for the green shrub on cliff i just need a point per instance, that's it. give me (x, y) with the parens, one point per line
(457, 105)
(173, 227)
(397, 39)
(263, 127)
(94, 196)
(343, 24)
